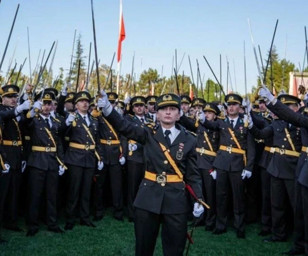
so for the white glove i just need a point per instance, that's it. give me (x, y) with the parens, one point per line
(250, 122)
(198, 210)
(119, 110)
(246, 174)
(61, 170)
(201, 117)
(132, 147)
(265, 93)
(70, 119)
(37, 105)
(23, 166)
(104, 104)
(24, 106)
(100, 165)
(64, 90)
(127, 100)
(7, 168)
(25, 96)
(122, 160)
(213, 174)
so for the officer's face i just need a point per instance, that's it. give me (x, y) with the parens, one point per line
(46, 108)
(54, 105)
(209, 115)
(185, 107)
(10, 101)
(69, 106)
(168, 115)
(233, 109)
(294, 107)
(151, 107)
(199, 108)
(262, 107)
(139, 109)
(82, 106)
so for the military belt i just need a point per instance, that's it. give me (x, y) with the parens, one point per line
(232, 150)
(283, 151)
(81, 146)
(44, 149)
(268, 149)
(110, 142)
(162, 178)
(305, 149)
(15, 143)
(205, 152)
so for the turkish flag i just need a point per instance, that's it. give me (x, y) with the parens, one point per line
(121, 33)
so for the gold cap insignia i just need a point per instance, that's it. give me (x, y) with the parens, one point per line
(283, 99)
(167, 97)
(138, 100)
(47, 96)
(231, 98)
(207, 106)
(83, 95)
(111, 97)
(10, 90)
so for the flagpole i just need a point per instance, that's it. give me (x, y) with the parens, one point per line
(118, 76)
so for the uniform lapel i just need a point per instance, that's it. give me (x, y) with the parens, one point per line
(180, 138)
(159, 136)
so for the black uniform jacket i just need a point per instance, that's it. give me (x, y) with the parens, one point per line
(300, 120)
(204, 136)
(111, 152)
(78, 134)
(11, 130)
(281, 165)
(40, 138)
(233, 161)
(151, 196)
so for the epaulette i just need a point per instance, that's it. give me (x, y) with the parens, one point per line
(57, 120)
(95, 113)
(192, 133)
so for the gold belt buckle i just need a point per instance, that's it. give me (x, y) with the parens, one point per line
(109, 142)
(47, 149)
(229, 149)
(202, 151)
(282, 151)
(161, 179)
(14, 143)
(87, 147)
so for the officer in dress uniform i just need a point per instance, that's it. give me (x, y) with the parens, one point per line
(286, 151)
(82, 157)
(207, 146)
(170, 161)
(151, 101)
(12, 145)
(185, 104)
(300, 245)
(262, 119)
(135, 156)
(4, 170)
(45, 162)
(234, 163)
(113, 148)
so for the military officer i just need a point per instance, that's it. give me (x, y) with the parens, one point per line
(233, 164)
(300, 245)
(185, 104)
(170, 160)
(12, 145)
(286, 151)
(151, 101)
(45, 162)
(82, 156)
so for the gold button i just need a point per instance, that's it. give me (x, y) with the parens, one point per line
(285, 139)
(165, 162)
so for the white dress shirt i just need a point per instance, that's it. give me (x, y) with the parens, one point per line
(174, 133)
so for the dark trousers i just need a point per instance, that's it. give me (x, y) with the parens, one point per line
(304, 191)
(266, 215)
(116, 183)
(299, 223)
(224, 179)
(38, 181)
(9, 194)
(282, 192)
(209, 191)
(80, 181)
(173, 234)
(135, 174)
(253, 196)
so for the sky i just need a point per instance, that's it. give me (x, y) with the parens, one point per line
(155, 28)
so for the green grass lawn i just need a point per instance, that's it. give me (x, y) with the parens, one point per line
(112, 237)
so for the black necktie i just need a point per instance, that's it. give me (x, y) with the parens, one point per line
(167, 132)
(85, 119)
(232, 123)
(47, 122)
(142, 120)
